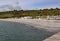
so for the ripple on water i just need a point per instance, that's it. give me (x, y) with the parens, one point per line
(10, 31)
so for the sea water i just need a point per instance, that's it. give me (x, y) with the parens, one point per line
(11, 31)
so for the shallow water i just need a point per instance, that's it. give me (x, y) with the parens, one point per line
(10, 31)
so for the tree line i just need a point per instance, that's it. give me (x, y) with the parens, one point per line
(33, 13)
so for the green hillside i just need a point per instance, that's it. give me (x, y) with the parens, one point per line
(32, 13)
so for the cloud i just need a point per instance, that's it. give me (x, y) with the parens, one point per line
(31, 4)
(39, 3)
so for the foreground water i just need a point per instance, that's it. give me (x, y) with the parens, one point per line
(10, 31)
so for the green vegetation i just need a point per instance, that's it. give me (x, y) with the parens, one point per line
(33, 13)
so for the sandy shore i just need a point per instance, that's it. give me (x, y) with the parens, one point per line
(39, 23)
(43, 22)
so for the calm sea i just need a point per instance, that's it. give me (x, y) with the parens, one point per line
(10, 31)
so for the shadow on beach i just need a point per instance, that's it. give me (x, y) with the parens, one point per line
(11, 31)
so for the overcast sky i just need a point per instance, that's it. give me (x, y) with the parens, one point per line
(32, 4)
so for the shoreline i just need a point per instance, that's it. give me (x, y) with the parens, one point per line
(43, 22)
(49, 25)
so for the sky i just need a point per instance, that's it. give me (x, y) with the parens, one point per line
(30, 4)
